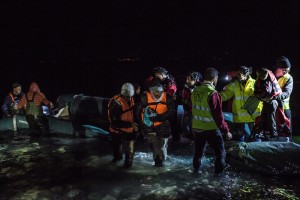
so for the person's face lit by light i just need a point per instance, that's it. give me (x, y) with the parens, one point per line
(281, 72)
(215, 81)
(138, 90)
(17, 90)
(156, 94)
(242, 77)
(160, 76)
(190, 81)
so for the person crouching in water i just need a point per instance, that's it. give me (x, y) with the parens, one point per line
(122, 126)
(208, 121)
(32, 101)
(153, 113)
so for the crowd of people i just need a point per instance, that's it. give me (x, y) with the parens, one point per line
(152, 113)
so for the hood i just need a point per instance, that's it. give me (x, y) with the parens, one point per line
(34, 87)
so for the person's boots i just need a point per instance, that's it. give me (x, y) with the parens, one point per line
(158, 162)
(127, 163)
(128, 160)
(117, 157)
(196, 165)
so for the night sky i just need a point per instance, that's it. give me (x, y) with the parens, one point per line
(116, 41)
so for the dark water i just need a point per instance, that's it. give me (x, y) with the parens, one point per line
(68, 168)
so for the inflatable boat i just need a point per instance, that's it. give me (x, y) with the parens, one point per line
(77, 115)
(269, 157)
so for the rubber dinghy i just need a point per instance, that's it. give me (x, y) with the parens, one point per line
(56, 125)
(270, 157)
(87, 117)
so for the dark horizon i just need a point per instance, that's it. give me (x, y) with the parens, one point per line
(93, 47)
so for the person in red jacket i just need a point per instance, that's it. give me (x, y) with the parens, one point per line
(170, 87)
(167, 80)
(32, 101)
(193, 80)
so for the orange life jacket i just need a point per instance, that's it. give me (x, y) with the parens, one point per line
(159, 107)
(12, 98)
(127, 114)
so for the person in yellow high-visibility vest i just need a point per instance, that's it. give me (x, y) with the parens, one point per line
(208, 121)
(239, 90)
(285, 81)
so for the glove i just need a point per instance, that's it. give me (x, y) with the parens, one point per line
(228, 136)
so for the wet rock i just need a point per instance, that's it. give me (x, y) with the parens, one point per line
(95, 196)
(3, 147)
(19, 183)
(205, 181)
(5, 170)
(116, 191)
(130, 194)
(28, 164)
(15, 172)
(181, 191)
(145, 188)
(74, 193)
(108, 197)
(56, 189)
(216, 183)
(94, 161)
(3, 157)
(26, 149)
(61, 150)
(31, 194)
(23, 158)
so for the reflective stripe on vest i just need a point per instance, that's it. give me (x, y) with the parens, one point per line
(282, 81)
(12, 98)
(202, 117)
(15, 99)
(126, 116)
(159, 107)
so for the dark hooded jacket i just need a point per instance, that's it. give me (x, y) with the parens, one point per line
(9, 100)
(267, 89)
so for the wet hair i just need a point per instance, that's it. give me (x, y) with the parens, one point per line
(155, 82)
(262, 73)
(15, 85)
(247, 71)
(160, 70)
(196, 76)
(210, 73)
